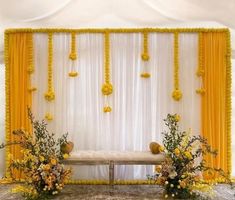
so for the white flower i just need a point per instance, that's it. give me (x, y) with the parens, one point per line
(172, 174)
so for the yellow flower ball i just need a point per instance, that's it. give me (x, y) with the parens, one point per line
(177, 94)
(65, 156)
(188, 155)
(53, 161)
(145, 57)
(177, 118)
(107, 89)
(48, 116)
(73, 74)
(177, 152)
(161, 148)
(49, 96)
(182, 184)
(73, 56)
(41, 158)
(158, 168)
(107, 109)
(145, 75)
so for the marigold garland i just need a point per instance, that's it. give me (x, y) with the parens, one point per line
(30, 68)
(145, 54)
(107, 87)
(176, 94)
(200, 71)
(30, 54)
(73, 54)
(50, 94)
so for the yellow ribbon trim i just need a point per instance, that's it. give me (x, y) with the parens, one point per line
(176, 94)
(50, 94)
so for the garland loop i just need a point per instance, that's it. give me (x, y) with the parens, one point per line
(50, 94)
(176, 94)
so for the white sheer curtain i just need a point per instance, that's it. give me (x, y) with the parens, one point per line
(139, 105)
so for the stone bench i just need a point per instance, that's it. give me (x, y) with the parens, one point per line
(112, 158)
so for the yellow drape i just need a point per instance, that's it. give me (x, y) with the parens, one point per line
(215, 102)
(18, 98)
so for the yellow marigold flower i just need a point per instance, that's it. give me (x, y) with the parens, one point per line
(32, 89)
(182, 184)
(161, 148)
(30, 69)
(41, 158)
(46, 167)
(49, 96)
(200, 72)
(65, 156)
(145, 57)
(48, 116)
(145, 75)
(73, 56)
(188, 155)
(73, 74)
(177, 152)
(201, 91)
(158, 168)
(53, 161)
(177, 118)
(107, 89)
(107, 109)
(177, 94)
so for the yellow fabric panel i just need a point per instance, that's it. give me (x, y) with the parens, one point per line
(19, 97)
(214, 118)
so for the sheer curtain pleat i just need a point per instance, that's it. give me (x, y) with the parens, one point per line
(139, 104)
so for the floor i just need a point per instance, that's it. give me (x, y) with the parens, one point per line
(98, 192)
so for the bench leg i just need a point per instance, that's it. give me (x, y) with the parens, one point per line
(111, 173)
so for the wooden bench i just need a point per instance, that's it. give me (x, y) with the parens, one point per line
(113, 158)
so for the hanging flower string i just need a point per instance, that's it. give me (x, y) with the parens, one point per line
(73, 54)
(50, 94)
(145, 54)
(176, 94)
(30, 60)
(200, 71)
(107, 87)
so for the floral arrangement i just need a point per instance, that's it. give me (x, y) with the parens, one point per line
(181, 172)
(43, 172)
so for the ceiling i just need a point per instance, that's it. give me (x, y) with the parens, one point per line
(116, 13)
